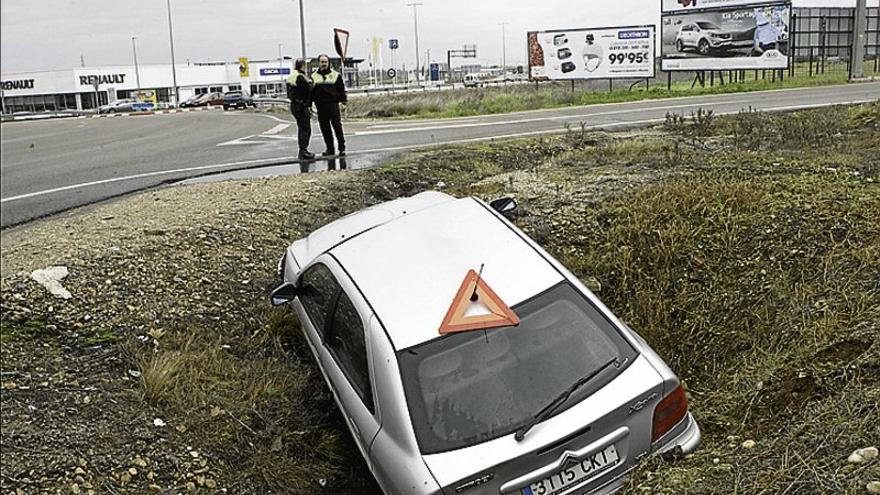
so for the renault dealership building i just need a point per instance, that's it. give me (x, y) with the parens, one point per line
(85, 88)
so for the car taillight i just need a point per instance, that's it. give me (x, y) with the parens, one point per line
(669, 412)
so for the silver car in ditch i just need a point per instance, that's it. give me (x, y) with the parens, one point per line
(566, 400)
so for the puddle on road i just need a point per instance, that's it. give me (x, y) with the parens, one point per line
(321, 165)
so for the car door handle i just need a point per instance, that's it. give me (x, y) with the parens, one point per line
(353, 425)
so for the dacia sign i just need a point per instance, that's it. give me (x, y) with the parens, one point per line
(19, 84)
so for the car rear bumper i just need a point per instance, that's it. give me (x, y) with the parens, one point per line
(685, 436)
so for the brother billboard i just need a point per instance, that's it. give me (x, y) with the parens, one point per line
(724, 34)
(599, 53)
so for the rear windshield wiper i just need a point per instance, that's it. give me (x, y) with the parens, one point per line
(548, 410)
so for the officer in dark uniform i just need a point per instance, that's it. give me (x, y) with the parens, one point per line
(299, 91)
(328, 92)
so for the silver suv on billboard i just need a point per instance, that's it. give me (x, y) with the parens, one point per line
(704, 36)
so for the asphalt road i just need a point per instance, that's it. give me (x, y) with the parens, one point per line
(50, 166)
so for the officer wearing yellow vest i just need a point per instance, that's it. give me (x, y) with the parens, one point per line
(299, 91)
(328, 92)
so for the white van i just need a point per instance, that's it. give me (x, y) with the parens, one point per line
(475, 80)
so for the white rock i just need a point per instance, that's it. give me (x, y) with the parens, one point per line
(869, 453)
(749, 444)
(158, 422)
(51, 278)
(873, 487)
(855, 458)
(861, 456)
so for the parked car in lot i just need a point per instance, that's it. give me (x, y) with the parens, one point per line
(209, 99)
(125, 105)
(237, 99)
(191, 101)
(705, 36)
(465, 359)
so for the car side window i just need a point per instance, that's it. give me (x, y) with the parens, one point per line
(348, 347)
(319, 287)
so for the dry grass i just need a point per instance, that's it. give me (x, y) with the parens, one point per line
(756, 275)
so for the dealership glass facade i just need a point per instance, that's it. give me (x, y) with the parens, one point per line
(71, 89)
(40, 103)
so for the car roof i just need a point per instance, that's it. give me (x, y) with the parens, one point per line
(410, 267)
(338, 231)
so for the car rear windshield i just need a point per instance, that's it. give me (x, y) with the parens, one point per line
(470, 387)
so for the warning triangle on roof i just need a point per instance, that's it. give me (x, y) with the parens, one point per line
(460, 317)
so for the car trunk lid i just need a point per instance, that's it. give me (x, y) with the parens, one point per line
(592, 442)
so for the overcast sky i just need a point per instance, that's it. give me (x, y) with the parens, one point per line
(53, 34)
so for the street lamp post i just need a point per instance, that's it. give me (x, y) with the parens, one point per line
(280, 65)
(302, 32)
(416, 24)
(503, 51)
(173, 69)
(137, 73)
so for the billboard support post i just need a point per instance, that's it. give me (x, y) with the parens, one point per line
(860, 26)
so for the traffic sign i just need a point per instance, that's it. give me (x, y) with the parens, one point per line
(393, 44)
(391, 73)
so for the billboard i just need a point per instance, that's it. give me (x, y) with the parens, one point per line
(596, 53)
(724, 35)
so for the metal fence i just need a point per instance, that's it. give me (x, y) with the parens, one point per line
(822, 41)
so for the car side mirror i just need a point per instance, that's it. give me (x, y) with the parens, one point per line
(283, 294)
(503, 205)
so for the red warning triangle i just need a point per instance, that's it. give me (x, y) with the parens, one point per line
(500, 315)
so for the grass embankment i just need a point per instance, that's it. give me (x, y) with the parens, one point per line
(745, 249)
(513, 98)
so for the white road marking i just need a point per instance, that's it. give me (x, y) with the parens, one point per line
(275, 130)
(292, 158)
(142, 176)
(240, 141)
(277, 119)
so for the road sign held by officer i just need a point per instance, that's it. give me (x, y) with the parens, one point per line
(299, 92)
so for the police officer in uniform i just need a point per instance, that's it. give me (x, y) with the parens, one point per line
(328, 92)
(299, 91)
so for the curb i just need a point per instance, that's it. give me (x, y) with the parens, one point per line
(106, 115)
(157, 112)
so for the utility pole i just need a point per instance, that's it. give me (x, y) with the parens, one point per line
(857, 62)
(173, 68)
(415, 6)
(82, 60)
(280, 65)
(137, 73)
(302, 34)
(503, 51)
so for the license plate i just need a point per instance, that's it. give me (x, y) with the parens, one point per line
(574, 473)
